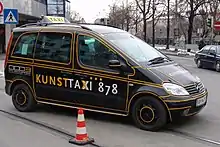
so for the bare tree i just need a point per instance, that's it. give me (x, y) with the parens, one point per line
(168, 24)
(116, 17)
(136, 17)
(148, 10)
(145, 8)
(122, 15)
(75, 17)
(192, 7)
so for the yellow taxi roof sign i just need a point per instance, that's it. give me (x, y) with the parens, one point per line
(55, 19)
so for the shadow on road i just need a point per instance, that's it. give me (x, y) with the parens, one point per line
(184, 121)
(179, 122)
(88, 114)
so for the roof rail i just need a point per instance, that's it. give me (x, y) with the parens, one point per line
(51, 23)
(48, 23)
(40, 24)
(98, 24)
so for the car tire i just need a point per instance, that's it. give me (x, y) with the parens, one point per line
(148, 113)
(217, 67)
(23, 99)
(199, 63)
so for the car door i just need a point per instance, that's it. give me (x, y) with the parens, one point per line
(101, 87)
(53, 66)
(211, 57)
(203, 55)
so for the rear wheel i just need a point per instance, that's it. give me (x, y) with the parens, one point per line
(217, 67)
(23, 99)
(199, 64)
(148, 113)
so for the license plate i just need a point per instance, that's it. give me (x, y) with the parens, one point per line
(200, 101)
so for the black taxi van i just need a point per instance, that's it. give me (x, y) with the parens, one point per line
(99, 68)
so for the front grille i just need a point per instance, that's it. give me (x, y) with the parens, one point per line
(195, 88)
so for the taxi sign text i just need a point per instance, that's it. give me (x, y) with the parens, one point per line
(56, 19)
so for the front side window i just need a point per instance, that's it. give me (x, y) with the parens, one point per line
(212, 50)
(25, 46)
(205, 49)
(54, 47)
(92, 52)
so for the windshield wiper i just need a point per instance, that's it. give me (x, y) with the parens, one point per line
(157, 60)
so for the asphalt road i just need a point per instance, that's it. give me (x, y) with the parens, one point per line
(113, 131)
(16, 133)
(206, 124)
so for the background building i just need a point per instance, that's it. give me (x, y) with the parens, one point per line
(160, 31)
(58, 8)
(31, 11)
(104, 21)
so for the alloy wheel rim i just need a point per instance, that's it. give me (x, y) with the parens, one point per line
(21, 98)
(199, 63)
(147, 114)
(218, 67)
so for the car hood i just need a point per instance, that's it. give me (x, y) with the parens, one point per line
(174, 73)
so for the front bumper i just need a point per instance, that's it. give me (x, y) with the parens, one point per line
(187, 106)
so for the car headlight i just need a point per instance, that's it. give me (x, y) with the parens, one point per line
(175, 89)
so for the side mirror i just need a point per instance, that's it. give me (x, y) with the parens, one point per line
(123, 68)
(114, 63)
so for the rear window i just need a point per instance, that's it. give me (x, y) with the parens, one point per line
(25, 45)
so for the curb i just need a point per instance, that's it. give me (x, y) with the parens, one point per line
(175, 54)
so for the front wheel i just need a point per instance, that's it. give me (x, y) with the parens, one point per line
(148, 113)
(217, 67)
(199, 64)
(23, 99)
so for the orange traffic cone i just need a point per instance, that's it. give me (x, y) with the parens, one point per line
(81, 137)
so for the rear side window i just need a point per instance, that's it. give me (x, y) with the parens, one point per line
(54, 47)
(25, 45)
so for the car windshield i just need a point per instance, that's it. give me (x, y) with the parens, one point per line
(134, 47)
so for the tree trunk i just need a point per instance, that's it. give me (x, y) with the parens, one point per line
(168, 24)
(145, 21)
(136, 26)
(127, 16)
(153, 25)
(191, 18)
(190, 29)
(145, 28)
(136, 20)
(127, 24)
